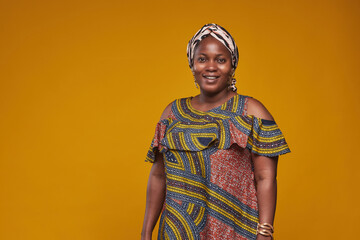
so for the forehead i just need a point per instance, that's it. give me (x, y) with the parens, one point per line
(211, 45)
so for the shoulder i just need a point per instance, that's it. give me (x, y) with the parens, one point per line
(257, 109)
(166, 112)
(168, 109)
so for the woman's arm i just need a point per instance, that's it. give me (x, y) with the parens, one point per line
(265, 170)
(155, 197)
(156, 189)
(266, 188)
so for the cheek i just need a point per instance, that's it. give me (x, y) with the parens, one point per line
(225, 72)
(197, 68)
(226, 69)
(197, 71)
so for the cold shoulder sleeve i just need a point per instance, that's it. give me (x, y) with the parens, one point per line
(156, 145)
(266, 138)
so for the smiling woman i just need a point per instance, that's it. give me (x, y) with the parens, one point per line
(214, 155)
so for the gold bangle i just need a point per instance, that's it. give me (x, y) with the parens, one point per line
(265, 229)
(266, 226)
(265, 233)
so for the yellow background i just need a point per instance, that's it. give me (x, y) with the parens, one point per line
(83, 83)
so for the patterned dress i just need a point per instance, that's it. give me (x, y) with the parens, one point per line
(210, 189)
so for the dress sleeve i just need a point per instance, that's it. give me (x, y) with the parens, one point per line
(266, 138)
(156, 145)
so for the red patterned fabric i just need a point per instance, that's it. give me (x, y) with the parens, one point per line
(231, 170)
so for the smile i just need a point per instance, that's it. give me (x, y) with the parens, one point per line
(211, 77)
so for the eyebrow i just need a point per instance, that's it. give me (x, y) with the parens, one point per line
(216, 54)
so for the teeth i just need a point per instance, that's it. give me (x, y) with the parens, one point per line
(210, 77)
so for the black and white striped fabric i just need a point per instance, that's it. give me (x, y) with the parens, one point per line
(220, 34)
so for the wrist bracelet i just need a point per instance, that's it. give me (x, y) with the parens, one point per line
(265, 229)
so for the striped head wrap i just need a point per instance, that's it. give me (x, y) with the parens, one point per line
(220, 34)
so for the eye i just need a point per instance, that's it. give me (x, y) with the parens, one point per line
(221, 60)
(201, 59)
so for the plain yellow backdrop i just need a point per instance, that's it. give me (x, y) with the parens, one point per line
(83, 83)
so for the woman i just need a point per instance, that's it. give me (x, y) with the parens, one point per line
(214, 155)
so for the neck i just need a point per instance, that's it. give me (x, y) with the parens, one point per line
(206, 98)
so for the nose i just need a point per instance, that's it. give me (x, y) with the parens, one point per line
(211, 66)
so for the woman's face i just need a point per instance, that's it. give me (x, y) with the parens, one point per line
(212, 66)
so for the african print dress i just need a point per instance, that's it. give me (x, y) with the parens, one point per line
(210, 189)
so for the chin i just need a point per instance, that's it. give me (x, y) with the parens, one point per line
(212, 90)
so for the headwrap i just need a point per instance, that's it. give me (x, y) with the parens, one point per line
(220, 34)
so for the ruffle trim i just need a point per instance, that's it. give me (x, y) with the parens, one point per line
(262, 137)
(156, 145)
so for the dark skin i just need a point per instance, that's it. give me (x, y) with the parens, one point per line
(213, 70)
(155, 197)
